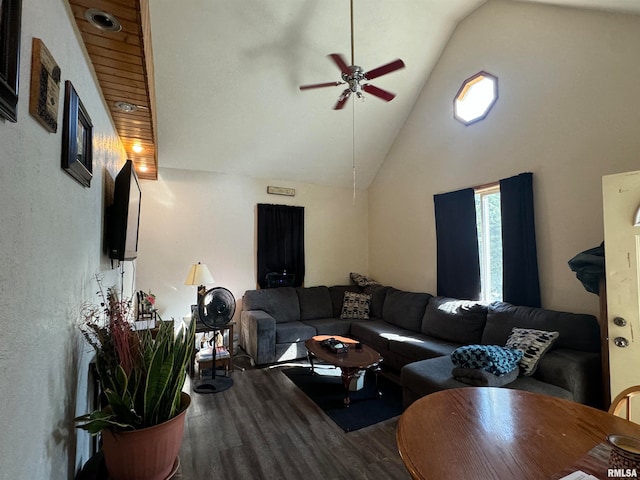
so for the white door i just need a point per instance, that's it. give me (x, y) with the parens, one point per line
(621, 197)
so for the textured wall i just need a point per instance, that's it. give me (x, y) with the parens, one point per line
(568, 112)
(50, 249)
(191, 216)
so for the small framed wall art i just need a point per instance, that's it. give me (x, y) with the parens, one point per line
(45, 86)
(10, 21)
(77, 141)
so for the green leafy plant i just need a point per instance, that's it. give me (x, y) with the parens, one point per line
(141, 377)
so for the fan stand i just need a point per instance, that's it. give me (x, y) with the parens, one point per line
(217, 383)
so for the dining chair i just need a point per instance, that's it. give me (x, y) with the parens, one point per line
(622, 403)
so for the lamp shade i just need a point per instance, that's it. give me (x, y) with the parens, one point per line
(199, 275)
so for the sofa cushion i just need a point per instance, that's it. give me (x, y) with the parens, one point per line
(378, 294)
(289, 351)
(481, 378)
(577, 331)
(375, 333)
(337, 297)
(281, 303)
(292, 332)
(315, 302)
(576, 371)
(460, 321)
(429, 376)
(435, 374)
(417, 346)
(331, 326)
(362, 280)
(491, 358)
(533, 344)
(405, 309)
(355, 306)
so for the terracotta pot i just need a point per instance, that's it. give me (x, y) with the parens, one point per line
(146, 454)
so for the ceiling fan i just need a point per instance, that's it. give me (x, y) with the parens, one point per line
(354, 76)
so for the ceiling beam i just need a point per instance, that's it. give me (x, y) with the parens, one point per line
(123, 61)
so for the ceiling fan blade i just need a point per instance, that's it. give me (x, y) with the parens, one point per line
(320, 85)
(378, 92)
(343, 99)
(341, 63)
(384, 69)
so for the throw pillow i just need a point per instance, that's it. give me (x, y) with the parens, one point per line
(355, 306)
(533, 344)
(490, 358)
(362, 280)
(457, 321)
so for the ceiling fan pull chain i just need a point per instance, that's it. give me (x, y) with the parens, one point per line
(353, 146)
(354, 186)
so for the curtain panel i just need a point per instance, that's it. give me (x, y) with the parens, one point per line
(521, 284)
(458, 266)
(280, 242)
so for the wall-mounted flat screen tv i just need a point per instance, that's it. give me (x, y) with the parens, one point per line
(123, 218)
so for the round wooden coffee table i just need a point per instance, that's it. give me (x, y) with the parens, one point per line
(490, 433)
(358, 357)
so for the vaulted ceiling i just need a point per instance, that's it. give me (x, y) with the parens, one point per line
(219, 89)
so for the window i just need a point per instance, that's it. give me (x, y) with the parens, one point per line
(500, 218)
(489, 226)
(475, 98)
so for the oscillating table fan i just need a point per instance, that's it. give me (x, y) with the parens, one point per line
(215, 310)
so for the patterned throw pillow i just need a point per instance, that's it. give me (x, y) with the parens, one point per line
(490, 358)
(355, 306)
(533, 344)
(362, 281)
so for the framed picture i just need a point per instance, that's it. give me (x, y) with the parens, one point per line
(10, 21)
(45, 86)
(77, 141)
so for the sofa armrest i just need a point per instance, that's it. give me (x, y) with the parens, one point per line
(258, 335)
(574, 370)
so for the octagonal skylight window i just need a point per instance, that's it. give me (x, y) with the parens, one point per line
(475, 98)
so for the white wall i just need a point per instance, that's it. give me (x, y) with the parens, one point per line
(190, 216)
(50, 249)
(568, 111)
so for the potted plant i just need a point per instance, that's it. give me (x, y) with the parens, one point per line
(141, 379)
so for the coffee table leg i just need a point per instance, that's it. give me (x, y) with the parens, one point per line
(347, 376)
(377, 370)
(310, 357)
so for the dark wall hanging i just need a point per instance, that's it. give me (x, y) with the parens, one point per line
(45, 87)
(10, 21)
(77, 133)
(280, 242)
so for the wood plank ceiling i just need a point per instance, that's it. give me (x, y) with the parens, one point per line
(123, 62)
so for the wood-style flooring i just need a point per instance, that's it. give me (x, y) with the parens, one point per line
(264, 427)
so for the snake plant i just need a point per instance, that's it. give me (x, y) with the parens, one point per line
(140, 377)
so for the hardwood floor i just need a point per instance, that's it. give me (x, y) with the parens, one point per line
(264, 427)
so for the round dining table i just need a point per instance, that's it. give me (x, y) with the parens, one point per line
(501, 433)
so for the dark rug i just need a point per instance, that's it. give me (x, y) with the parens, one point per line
(325, 388)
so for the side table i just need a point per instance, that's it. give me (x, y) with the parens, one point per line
(202, 328)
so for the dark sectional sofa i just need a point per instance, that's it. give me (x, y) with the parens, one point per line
(416, 333)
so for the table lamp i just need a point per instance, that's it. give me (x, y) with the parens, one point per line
(199, 275)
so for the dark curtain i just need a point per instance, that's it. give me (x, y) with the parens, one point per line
(457, 242)
(280, 241)
(519, 255)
